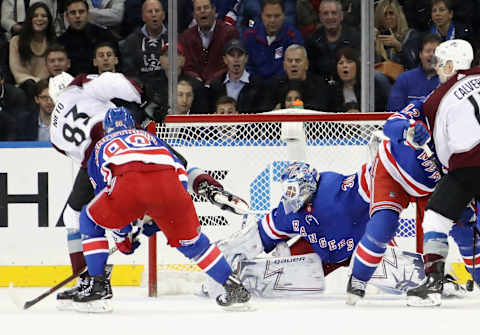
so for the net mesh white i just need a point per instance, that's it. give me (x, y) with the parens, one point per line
(248, 157)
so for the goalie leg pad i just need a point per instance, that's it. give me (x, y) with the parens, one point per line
(283, 276)
(244, 244)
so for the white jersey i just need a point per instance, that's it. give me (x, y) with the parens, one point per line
(78, 114)
(453, 111)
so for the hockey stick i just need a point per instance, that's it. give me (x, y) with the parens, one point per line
(30, 303)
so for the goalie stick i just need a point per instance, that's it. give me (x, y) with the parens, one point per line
(29, 303)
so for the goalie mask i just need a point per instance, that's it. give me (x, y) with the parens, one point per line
(116, 119)
(299, 183)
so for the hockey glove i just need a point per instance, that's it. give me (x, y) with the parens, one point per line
(227, 201)
(419, 133)
(126, 240)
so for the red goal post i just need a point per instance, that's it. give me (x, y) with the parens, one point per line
(247, 154)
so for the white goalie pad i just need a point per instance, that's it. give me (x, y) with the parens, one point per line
(399, 271)
(283, 276)
(244, 244)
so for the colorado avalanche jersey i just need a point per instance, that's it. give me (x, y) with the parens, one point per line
(333, 223)
(78, 114)
(125, 146)
(454, 115)
(410, 167)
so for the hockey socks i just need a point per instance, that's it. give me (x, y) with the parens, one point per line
(371, 248)
(96, 254)
(463, 236)
(209, 258)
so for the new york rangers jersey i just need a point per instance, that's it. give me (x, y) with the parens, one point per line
(333, 223)
(78, 114)
(410, 167)
(126, 146)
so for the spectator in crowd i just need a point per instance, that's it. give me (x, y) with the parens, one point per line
(203, 43)
(159, 86)
(347, 88)
(293, 91)
(317, 95)
(104, 57)
(351, 13)
(13, 102)
(267, 41)
(81, 36)
(250, 11)
(442, 23)
(307, 16)
(27, 50)
(185, 97)
(417, 13)
(416, 83)
(394, 40)
(141, 49)
(14, 14)
(226, 105)
(330, 37)
(249, 91)
(107, 14)
(34, 125)
(56, 60)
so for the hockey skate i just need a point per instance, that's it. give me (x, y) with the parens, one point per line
(452, 289)
(355, 290)
(429, 293)
(96, 297)
(235, 293)
(65, 298)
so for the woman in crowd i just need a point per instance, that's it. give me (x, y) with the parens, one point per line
(394, 40)
(27, 50)
(347, 88)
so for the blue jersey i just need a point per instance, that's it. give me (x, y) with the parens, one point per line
(333, 223)
(410, 167)
(126, 146)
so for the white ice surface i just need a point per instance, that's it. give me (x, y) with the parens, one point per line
(136, 314)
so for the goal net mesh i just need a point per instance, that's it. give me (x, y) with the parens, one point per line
(247, 154)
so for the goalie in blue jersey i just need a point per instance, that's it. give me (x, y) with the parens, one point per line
(326, 215)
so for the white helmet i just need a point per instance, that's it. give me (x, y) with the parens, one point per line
(459, 52)
(57, 84)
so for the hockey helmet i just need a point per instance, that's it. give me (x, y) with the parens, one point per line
(299, 183)
(118, 118)
(459, 52)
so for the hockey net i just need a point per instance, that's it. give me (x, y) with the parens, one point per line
(247, 154)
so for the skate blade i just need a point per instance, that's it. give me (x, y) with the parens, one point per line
(432, 300)
(240, 307)
(65, 305)
(352, 299)
(98, 306)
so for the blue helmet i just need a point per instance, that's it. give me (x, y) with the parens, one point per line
(118, 118)
(299, 183)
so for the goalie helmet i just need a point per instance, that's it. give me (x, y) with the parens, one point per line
(299, 183)
(118, 118)
(459, 52)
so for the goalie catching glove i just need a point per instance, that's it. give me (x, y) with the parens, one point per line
(204, 184)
